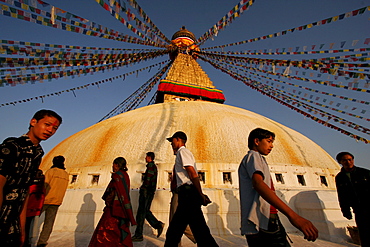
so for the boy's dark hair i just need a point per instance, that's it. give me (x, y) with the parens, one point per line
(121, 162)
(58, 161)
(341, 154)
(260, 134)
(42, 113)
(151, 155)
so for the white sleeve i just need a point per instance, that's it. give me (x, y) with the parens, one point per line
(254, 164)
(187, 157)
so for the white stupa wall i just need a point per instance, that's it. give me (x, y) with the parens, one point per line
(82, 208)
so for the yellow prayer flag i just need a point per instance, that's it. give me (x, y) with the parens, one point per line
(4, 7)
(24, 6)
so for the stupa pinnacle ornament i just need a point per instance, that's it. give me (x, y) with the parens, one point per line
(183, 41)
(186, 80)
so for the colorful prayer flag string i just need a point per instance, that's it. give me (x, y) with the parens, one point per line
(300, 28)
(60, 23)
(262, 91)
(238, 9)
(96, 83)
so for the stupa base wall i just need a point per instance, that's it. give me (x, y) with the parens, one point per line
(82, 208)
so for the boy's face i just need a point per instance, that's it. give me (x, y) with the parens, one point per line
(263, 146)
(43, 129)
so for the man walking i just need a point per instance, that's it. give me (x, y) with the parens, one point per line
(146, 195)
(20, 159)
(56, 182)
(353, 187)
(190, 197)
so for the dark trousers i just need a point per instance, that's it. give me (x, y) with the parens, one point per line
(362, 218)
(275, 236)
(47, 228)
(143, 212)
(189, 212)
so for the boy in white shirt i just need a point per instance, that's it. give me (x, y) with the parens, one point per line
(258, 201)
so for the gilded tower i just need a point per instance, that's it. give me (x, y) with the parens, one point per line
(186, 80)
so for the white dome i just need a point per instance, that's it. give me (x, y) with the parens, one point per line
(217, 136)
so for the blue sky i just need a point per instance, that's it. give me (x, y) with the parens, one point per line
(84, 108)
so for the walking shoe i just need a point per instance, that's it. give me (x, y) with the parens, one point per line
(160, 229)
(137, 239)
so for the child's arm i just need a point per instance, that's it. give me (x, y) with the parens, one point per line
(305, 226)
(22, 219)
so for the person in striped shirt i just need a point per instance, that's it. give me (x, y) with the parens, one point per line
(146, 195)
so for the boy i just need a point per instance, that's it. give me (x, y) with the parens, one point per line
(19, 161)
(258, 201)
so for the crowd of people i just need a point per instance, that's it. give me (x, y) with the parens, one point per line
(26, 193)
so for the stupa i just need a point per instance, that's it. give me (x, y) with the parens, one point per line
(303, 173)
